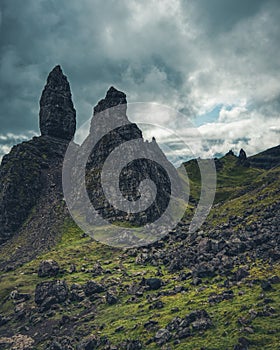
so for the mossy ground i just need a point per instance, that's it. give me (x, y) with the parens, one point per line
(239, 189)
(84, 253)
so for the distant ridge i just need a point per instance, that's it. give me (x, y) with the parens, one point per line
(267, 159)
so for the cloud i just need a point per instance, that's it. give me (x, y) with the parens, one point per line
(254, 133)
(192, 56)
(10, 139)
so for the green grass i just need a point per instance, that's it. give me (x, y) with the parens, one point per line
(84, 252)
(232, 178)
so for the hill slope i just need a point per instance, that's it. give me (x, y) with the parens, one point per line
(155, 295)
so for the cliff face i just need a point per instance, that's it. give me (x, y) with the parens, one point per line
(30, 175)
(29, 171)
(145, 160)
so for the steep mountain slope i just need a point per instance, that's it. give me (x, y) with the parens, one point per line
(111, 131)
(217, 288)
(33, 199)
(31, 206)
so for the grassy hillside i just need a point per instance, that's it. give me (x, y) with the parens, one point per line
(126, 319)
(232, 178)
(240, 311)
(263, 191)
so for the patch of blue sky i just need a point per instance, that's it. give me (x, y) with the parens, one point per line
(211, 116)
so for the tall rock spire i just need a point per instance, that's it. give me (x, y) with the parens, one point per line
(57, 113)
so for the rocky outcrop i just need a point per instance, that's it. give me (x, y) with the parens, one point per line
(242, 155)
(230, 153)
(110, 120)
(30, 171)
(266, 160)
(93, 287)
(50, 292)
(180, 328)
(48, 268)
(113, 98)
(57, 113)
(242, 158)
(30, 177)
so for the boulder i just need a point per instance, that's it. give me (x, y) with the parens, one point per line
(266, 286)
(50, 292)
(48, 268)
(162, 336)
(111, 298)
(92, 287)
(204, 269)
(152, 283)
(76, 292)
(89, 343)
(243, 344)
(240, 274)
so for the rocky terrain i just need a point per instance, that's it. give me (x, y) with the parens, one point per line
(214, 289)
(31, 206)
(111, 122)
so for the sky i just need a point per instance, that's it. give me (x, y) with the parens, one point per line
(215, 62)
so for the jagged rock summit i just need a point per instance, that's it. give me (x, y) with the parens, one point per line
(111, 130)
(57, 113)
(113, 98)
(242, 158)
(109, 112)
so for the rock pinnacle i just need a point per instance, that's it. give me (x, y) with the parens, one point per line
(57, 113)
(113, 98)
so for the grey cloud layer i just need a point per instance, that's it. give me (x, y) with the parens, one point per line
(190, 55)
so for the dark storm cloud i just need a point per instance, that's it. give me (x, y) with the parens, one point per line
(93, 43)
(191, 55)
(222, 15)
